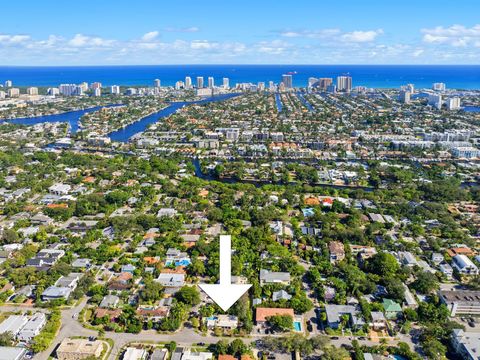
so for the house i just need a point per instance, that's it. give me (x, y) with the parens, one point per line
(465, 302)
(188, 355)
(69, 281)
(437, 258)
(155, 314)
(177, 257)
(81, 263)
(226, 322)
(460, 250)
(337, 251)
(410, 301)
(464, 265)
(59, 189)
(466, 344)
(73, 349)
(13, 353)
(446, 269)
(407, 258)
(271, 277)
(166, 212)
(171, 279)
(159, 354)
(109, 302)
(262, 314)
(128, 268)
(13, 324)
(336, 312)
(56, 293)
(281, 295)
(379, 322)
(391, 308)
(33, 327)
(132, 353)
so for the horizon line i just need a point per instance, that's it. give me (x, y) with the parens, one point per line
(226, 64)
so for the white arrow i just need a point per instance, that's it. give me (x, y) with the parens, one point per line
(225, 294)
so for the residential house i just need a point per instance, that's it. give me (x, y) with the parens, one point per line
(74, 349)
(337, 251)
(262, 314)
(226, 322)
(464, 265)
(171, 279)
(391, 308)
(336, 312)
(272, 277)
(33, 327)
(132, 353)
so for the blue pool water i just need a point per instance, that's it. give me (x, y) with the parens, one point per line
(297, 326)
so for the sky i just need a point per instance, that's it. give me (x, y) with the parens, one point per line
(144, 32)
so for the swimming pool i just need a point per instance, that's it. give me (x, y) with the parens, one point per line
(297, 325)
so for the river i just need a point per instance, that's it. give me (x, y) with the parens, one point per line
(121, 135)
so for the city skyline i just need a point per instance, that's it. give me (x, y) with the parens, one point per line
(210, 32)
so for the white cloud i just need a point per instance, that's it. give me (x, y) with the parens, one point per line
(152, 35)
(361, 36)
(13, 39)
(312, 34)
(455, 35)
(80, 40)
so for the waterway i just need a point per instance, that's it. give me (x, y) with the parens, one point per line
(71, 117)
(121, 135)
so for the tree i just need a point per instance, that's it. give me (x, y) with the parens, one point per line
(6, 339)
(281, 322)
(334, 353)
(425, 283)
(188, 295)
(434, 349)
(152, 291)
(237, 347)
(383, 264)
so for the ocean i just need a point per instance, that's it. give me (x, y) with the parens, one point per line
(376, 76)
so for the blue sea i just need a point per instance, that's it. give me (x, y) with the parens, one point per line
(377, 76)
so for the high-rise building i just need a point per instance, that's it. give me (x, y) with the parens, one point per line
(13, 92)
(312, 81)
(8, 83)
(96, 85)
(324, 83)
(405, 96)
(332, 89)
(53, 91)
(287, 81)
(261, 86)
(70, 89)
(226, 83)
(211, 82)
(439, 86)
(435, 100)
(84, 86)
(411, 88)
(453, 103)
(271, 86)
(115, 90)
(179, 85)
(97, 91)
(199, 82)
(32, 91)
(188, 82)
(2, 94)
(157, 83)
(344, 83)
